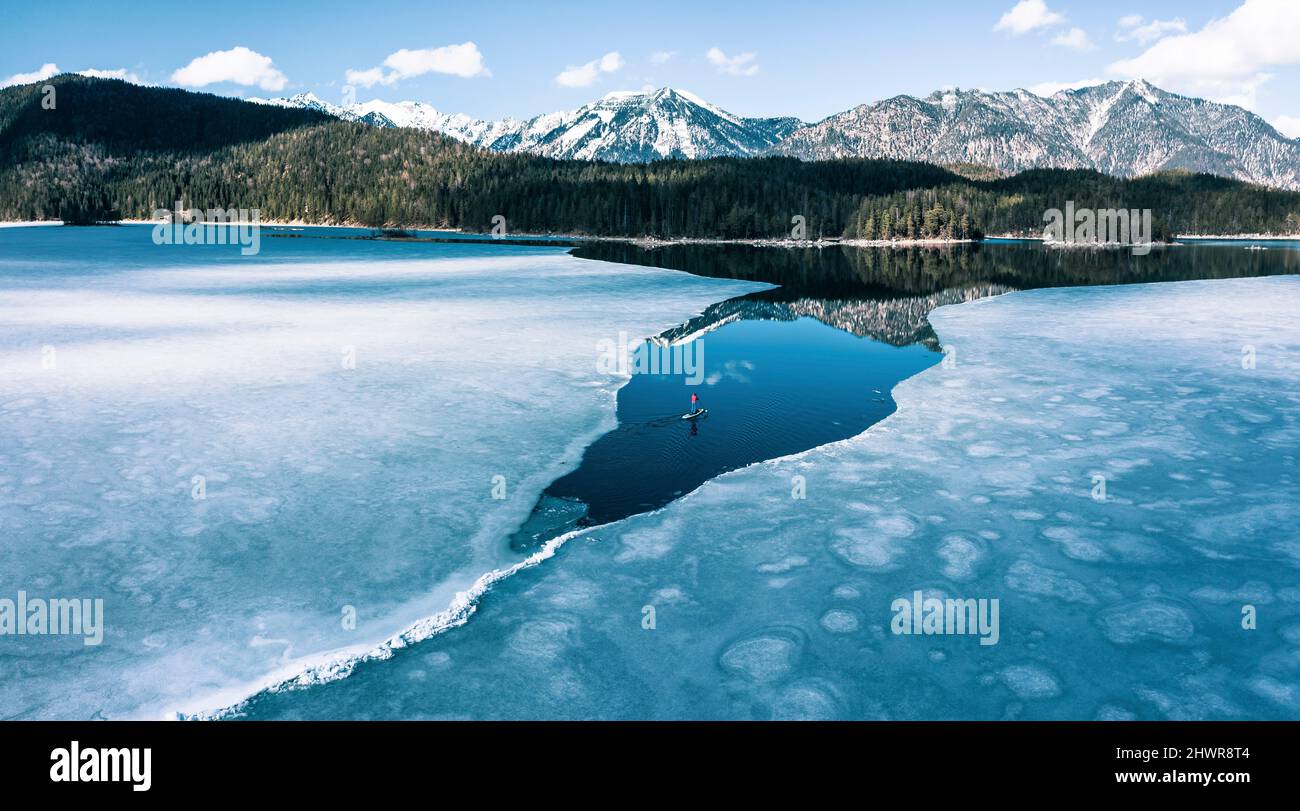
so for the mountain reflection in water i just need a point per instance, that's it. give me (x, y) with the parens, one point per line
(856, 323)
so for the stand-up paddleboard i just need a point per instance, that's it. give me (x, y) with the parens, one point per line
(696, 414)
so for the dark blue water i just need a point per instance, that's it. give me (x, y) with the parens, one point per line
(771, 388)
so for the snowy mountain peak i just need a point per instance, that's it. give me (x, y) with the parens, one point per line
(1120, 128)
(309, 101)
(1146, 90)
(666, 99)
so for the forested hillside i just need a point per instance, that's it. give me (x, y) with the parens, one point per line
(109, 150)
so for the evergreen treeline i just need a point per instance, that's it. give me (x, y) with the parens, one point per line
(939, 213)
(1180, 202)
(109, 150)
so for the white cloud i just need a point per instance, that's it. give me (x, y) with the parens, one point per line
(367, 78)
(738, 65)
(586, 75)
(1028, 15)
(119, 73)
(43, 72)
(50, 69)
(238, 65)
(1227, 60)
(1133, 28)
(1076, 39)
(1243, 93)
(1052, 88)
(463, 60)
(660, 57)
(1288, 125)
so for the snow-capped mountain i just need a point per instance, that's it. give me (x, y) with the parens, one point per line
(627, 127)
(1121, 128)
(412, 114)
(377, 119)
(309, 101)
(632, 127)
(421, 116)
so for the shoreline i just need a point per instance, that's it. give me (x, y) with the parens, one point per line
(1241, 237)
(641, 241)
(651, 243)
(772, 242)
(1174, 240)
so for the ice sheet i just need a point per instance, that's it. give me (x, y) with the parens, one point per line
(348, 407)
(741, 601)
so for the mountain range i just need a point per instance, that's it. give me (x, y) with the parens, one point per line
(626, 127)
(111, 150)
(1124, 129)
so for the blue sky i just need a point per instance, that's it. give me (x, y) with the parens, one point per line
(753, 58)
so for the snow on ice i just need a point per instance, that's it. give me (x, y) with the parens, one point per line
(255, 461)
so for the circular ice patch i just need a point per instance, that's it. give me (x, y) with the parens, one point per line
(846, 592)
(764, 658)
(1146, 620)
(1030, 681)
(863, 548)
(839, 621)
(805, 702)
(960, 556)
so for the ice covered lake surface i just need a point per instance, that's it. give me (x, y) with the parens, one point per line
(336, 486)
(241, 455)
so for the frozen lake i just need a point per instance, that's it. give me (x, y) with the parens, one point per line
(279, 471)
(239, 455)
